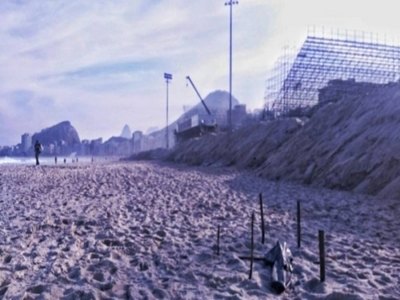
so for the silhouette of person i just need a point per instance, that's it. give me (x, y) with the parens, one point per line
(38, 150)
(55, 159)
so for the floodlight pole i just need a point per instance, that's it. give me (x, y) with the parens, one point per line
(167, 78)
(230, 3)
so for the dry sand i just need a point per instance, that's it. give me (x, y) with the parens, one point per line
(148, 231)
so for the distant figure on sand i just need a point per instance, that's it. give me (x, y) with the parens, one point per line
(38, 150)
(55, 159)
(65, 160)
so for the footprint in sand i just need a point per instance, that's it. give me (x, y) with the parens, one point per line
(37, 289)
(3, 290)
(338, 295)
(71, 294)
(4, 287)
(368, 259)
(103, 266)
(383, 280)
(74, 273)
(7, 259)
(98, 276)
(316, 286)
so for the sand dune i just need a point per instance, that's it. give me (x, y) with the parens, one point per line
(148, 231)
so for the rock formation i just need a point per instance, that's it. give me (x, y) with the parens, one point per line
(61, 138)
(126, 132)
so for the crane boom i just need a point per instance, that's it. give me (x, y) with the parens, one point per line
(198, 94)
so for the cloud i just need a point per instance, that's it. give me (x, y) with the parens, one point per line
(24, 111)
(100, 64)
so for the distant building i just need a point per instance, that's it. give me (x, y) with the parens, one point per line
(117, 146)
(137, 138)
(26, 142)
(85, 148)
(150, 142)
(152, 129)
(238, 115)
(96, 147)
(6, 151)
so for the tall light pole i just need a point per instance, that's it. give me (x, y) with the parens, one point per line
(167, 77)
(230, 3)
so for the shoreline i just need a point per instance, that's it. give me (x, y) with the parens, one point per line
(49, 160)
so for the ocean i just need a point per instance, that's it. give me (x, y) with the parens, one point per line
(44, 160)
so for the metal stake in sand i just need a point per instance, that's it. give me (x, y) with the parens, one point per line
(252, 246)
(218, 238)
(298, 225)
(321, 238)
(262, 220)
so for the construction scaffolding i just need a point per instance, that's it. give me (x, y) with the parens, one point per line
(297, 76)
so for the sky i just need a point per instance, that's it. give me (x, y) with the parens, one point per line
(100, 64)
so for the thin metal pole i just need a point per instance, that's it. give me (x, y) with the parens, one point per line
(218, 239)
(298, 225)
(230, 3)
(230, 66)
(262, 220)
(321, 239)
(166, 129)
(252, 246)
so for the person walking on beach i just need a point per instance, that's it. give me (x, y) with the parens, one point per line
(38, 150)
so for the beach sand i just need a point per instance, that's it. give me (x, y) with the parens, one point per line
(148, 231)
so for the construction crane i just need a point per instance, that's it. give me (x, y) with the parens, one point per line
(195, 125)
(198, 94)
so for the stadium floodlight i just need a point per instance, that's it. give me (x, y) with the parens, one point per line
(167, 78)
(230, 3)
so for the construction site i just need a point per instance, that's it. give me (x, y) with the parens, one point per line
(355, 56)
(328, 65)
(332, 121)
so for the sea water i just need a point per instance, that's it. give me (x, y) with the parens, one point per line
(44, 160)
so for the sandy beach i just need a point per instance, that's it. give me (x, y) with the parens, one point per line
(143, 230)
